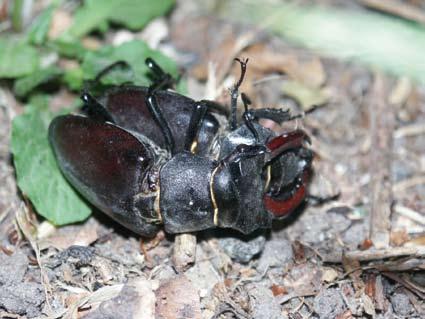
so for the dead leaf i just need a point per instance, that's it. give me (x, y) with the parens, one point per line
(247, 273)
(368, 306)
(345, 315)
(380, 295)
(210, 40)
(352, 266)
(299, 251)
(399, 237)
(67, 236)
(228, 282)
(418, 241)
(370, 283)
(400, 93)
(310, 73)
(278, 290)
(329, 274)
(305, 96)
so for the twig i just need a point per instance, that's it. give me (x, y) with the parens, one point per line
(184, 253)
(381, 131)
(408, 182)
(286, 298)
(403, 280)
(378, 254)
(409, 130)
(397, 8)
(409, 213)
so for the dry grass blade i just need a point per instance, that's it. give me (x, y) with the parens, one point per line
(29, 231)
(397, 8)
(102, 294)
(390, 44)
(409, 213)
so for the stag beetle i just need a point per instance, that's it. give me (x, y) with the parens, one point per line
(148, 156)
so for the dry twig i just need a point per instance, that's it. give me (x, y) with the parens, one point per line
(378, 254)
(381, 131)
(184, 253)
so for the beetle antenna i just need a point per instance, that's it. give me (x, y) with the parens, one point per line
(234, 93)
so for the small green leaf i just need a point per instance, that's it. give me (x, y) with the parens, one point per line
(37, 172)
(74, 78)
(40, 27)
(26, 84)
(134, 14)
(17, 58)
(134, 53)
(68, 47)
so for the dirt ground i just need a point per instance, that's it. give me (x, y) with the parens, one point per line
(318, 264)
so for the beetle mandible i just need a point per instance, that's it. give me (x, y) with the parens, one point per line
(148, 156)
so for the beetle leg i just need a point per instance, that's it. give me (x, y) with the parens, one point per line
(162, 81)
(215, 107)
(234, 93)
(91, 106)
(153, 107)
(276, 115)
(94, 109)
(195, 124)
(319, 200)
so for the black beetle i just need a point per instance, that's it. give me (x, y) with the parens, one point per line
(148, 156)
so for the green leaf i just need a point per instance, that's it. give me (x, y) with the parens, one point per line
(134, 14)
(134, 53)
(40, 27)
(17, 58)
(37, 172)
(68, 47)
(74, 78)
(374, 39)
(25, 85)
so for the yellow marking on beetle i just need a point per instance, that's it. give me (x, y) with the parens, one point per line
(156, 206)
(214, 203)
(194, 146)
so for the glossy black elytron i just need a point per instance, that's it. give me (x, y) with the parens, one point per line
(147, 157)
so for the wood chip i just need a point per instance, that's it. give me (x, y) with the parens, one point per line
(184, 253)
